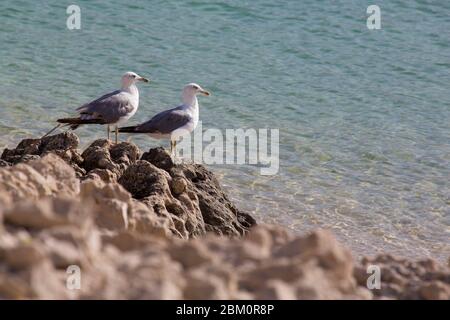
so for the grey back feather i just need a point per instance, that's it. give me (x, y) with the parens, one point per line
(165, 122)
(110, 107)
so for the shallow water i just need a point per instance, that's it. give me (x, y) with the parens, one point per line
(364, 116)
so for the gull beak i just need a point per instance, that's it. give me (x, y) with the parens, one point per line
(143, 79)
(205, 93)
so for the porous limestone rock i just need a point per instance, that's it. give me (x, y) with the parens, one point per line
(151, 229)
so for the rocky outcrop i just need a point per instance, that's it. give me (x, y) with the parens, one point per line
(45, 177)
(108, 160)
(142, 227)
(406, 279)
(64, 145)
(117, 261)
(186, 198)
(190, 192)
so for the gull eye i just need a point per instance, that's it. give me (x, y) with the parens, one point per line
(195, 87)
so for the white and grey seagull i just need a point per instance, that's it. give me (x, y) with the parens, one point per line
(113, 108)
(173, 123)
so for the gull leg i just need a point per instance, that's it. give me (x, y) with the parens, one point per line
(175, 158)
(175, 148)
(108, 130)
(117, 134)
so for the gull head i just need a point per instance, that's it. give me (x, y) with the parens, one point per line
(130, 78)
(192, 89)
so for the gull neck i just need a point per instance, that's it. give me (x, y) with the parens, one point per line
(132, 88)
(190, 100)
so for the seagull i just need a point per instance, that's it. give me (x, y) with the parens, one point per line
(113, 108)
(173, 123)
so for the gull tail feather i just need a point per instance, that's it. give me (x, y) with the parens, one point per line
(78, 121)
(59, 125)
(130, 129)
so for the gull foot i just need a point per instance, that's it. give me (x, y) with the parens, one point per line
(175, 159)
(180, 160)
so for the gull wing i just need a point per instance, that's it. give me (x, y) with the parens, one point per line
(108, 108)
(164, 122)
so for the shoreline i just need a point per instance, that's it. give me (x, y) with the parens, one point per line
(369, 248)
(122, 214)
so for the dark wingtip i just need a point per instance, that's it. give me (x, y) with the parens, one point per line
(127, 129)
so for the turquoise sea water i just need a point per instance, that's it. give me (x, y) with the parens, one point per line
(364, 116)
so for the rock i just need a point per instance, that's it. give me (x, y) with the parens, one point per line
(72, 245)
(152, 229)
(34, 148)
(24, 148)
(4, 163)
(63, 253)
(151, 185)
(5, 201)
(29, 157)
(315, 264)
(54, 286)
(200, 287)
(219, 214)
(109, 160)
(100, 190)
(110, 202)
(144, 220)
(128, 241)
(113, 215)
(276, 290)
(22, 182)
(97, 156)
(101, 174)
(61, 142)
(160, 158)
(124, 154)
(13, 287)
(282, 270)
(320, 245)
(192, 254)
(44, 213)
(406, 279)
(260, 236)
(186, 199)
(59, 175)
(143, 179)
(130, 263)
(436, 290)
(22, 256)
(178, 185)
(43, 177)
